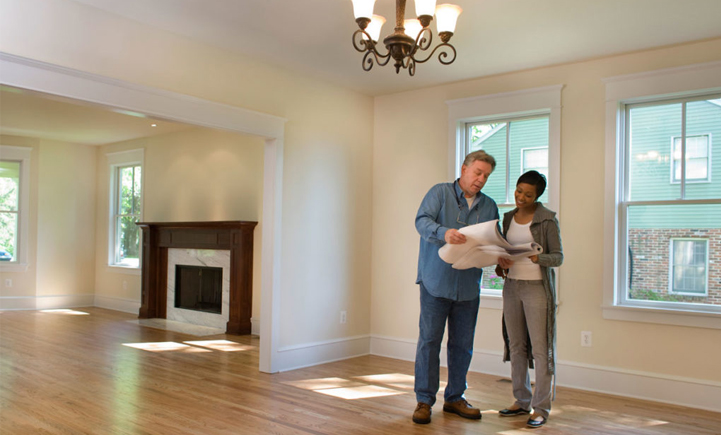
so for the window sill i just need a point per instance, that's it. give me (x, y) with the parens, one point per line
(124, 269)
(14, 267)
(492, 302)
(663, 316)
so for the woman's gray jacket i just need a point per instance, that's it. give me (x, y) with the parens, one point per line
(547, 233)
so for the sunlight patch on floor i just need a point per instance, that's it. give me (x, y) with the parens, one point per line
(166, 346)
(221, 345)
(362, 392)
(322, 384)
(66, 312)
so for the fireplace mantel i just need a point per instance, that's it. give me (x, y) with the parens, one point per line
(236, 236)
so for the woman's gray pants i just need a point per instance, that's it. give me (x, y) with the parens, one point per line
(524, 311)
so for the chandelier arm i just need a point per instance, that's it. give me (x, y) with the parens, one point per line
(442, 55)
(410, 66)
(380, 59)
(422, 43)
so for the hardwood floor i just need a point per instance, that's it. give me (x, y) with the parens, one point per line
(65, 372)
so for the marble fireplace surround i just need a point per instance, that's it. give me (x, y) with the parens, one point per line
(233, 236)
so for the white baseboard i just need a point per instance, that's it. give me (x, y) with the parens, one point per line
(311, 354)
(690, 392)
(255, 326)
(131, 306)
(45, 302)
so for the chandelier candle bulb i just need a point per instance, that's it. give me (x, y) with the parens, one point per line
(446, 17)
(412, 27)
(425, 7)
(363, 8)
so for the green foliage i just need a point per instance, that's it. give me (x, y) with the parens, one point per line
(650, 295)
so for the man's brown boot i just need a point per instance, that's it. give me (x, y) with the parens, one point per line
(463, 408)
(422, 414)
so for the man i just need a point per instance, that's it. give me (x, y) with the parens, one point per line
(448, 294)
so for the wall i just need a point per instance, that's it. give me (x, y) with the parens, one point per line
(326, 206)
(411, 154)
(62, 227)
(196, 174)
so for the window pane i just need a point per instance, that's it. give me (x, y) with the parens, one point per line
(652, 130)
(128, 241)
(129, 194)
(491, 138)
(9, 185)
(8, 236)
(674, 248)
(703, 149)
(528, 140)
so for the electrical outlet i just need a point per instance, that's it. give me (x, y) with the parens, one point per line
(343, 316)
(8, 282)
(125, 285)
(586, 338)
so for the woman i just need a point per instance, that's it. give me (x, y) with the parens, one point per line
(529, 299)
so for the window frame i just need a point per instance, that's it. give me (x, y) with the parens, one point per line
(515, 105)
(671, 266)
(709, 146)
(701, 81)
(117, 161)
(22, 245)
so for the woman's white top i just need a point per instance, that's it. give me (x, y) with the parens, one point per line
(523, 269)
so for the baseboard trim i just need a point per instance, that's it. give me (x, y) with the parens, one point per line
(255, 326)
(131, 306)
(311, 354)
(694, 393)
(45, 302)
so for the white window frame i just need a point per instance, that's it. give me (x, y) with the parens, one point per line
(621, 91)
(708, 161)
(671, 266)
(543, 101)
(119, 160)
(523, 150)
(22, 155)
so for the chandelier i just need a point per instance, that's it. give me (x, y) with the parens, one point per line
(409, 38)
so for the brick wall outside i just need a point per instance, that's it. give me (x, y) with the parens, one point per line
(650, 249)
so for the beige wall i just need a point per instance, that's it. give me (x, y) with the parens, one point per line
(411, 154)
(62, 220)
(196, 174)
(326, 231)
(24, 284)
(66, 219)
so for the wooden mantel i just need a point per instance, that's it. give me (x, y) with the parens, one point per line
(236, 236)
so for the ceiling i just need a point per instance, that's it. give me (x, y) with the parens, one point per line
(31, 114)
(492, 37)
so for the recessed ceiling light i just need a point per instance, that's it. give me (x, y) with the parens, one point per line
(153, 125)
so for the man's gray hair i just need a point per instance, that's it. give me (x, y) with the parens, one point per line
(482, 156)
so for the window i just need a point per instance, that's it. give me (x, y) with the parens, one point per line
(663, 239)
(521, 130)
(697, 158)
(14, 202)
(689, 266)
(125, 208)
(9, 209)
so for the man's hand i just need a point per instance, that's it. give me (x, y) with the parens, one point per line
(454, 237)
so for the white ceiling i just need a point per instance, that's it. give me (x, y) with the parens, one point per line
(492, 37)
(31, 114)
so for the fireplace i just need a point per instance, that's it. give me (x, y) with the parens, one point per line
(227, 245)
(199, 288)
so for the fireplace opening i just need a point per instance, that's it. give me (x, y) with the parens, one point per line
(199, 288)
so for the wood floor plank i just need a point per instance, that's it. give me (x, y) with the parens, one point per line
(94, 371)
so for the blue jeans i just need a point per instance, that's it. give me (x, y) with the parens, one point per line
(461, 317)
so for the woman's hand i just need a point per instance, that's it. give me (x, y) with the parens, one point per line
(500, 271)
(505, 263)
(534, 258)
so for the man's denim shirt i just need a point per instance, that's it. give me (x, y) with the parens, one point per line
(445, 207)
